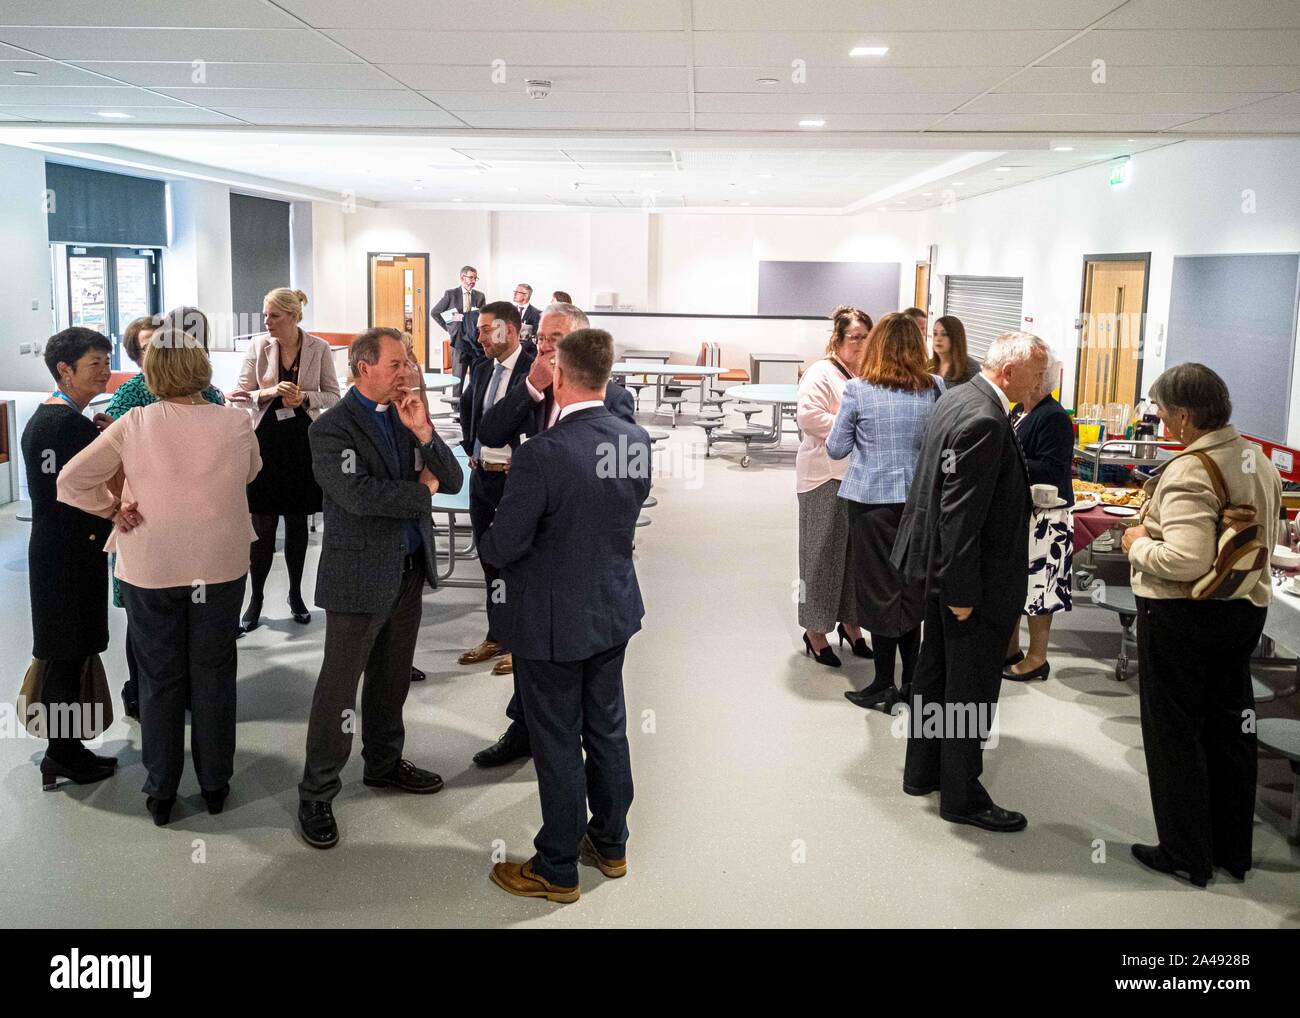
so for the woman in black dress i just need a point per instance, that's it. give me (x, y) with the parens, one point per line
(287, 379)
(66, 566)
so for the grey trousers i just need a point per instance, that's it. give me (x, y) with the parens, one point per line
(184, 644)
(383, 647)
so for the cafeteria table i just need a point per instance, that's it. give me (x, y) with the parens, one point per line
(779, 396)
(435, 380)
(454, 506)
(660, 372)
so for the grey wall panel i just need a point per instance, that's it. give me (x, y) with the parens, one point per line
(815, 289)
(259, 254)
(1237, 315)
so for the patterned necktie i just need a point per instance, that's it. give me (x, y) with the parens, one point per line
(489, 400)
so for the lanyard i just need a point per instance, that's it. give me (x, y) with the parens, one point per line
(67, 399)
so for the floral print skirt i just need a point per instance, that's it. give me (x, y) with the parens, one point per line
(1051, 557)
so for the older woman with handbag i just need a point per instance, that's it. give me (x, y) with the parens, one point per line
(287, 379)
(182, 541)
(1200, 614)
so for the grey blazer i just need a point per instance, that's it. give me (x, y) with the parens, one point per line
(368, 494)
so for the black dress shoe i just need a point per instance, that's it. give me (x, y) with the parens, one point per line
(1156, 858)
(84, 772)
(873, 697)
(406, 777)
(860, 648)
(160, 809)
(993, 818)
(1041, 672)
(920, 789)
(1014, 659)
(106, 761)
(417, 675)
(216, 800)
(299, 611)
(510, 747)
(316, 821)
(825, 656)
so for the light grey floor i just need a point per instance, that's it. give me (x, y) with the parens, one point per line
(762, 796)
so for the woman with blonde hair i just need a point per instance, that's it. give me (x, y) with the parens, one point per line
(881, 424)
(181, 536)
(826, 601)
(287, 379)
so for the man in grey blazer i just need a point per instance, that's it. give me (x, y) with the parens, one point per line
(378, 462)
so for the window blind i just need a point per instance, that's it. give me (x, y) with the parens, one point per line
(987, 305)
(94, 207)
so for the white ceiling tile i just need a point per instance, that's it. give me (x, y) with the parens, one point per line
(302, 98)
(855, 80)
(343, 118)
(1178, 47)
(48, 72)
(293, 46)
(1163, 14)
(519, 15)
(1110, 123)
(216, 74)
(787, 103)
(146, 13)
(564, 78)
(790, 122)
(559, 102)
(913, 49)
(477, 50)
(140, 115)
(1282, 105)
(885, 16)
(104, 96)
(541, 120)
(1102, 101)
(1120, 78)
(1244, 123)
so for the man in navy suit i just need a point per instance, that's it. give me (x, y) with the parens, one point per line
(529, 409)
(528, 315)
(505, 367)
(460, 301)
(562, 540)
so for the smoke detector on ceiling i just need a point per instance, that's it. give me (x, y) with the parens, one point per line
(537, 88)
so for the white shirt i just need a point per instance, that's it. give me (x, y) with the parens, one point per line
(488, 454)
(586, 404)
(1002, 396)
(537, 397)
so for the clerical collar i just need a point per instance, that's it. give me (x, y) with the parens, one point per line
(366, 401)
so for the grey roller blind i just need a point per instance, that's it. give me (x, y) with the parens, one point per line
(260, 253)
(987, 305)
(94, 207)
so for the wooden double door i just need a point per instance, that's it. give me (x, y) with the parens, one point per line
(399, 297)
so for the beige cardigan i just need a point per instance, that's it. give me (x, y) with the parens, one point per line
(1182, 513)
(260, 375)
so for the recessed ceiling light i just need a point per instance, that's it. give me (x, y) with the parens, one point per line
(25, 74)
(1002, 169)
(1062, 148)
(882, 209)
(113, 114)
(812, 123)
(765, 176)
(768, 81)
(458, 199)
(927, 194)
(959, 183)
(868, 51)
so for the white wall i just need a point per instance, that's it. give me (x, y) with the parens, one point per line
(1185, 199)
(26, 302)
(196, 264)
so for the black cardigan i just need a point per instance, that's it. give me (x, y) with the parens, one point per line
(1047, 436)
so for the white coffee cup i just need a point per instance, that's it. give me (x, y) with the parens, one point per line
(1044, 495)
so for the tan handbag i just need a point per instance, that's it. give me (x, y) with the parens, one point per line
(94, 700)
(1242, 548)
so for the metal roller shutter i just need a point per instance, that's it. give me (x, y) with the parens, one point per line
(987, 305)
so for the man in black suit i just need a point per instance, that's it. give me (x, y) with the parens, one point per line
(460, 301)
(528, 315)
(964, 535)
(563, 542)
(378, 462)
(489, 460)
(530, 409)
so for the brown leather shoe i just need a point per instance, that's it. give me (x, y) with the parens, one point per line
(485, 651)
(505, 666)
(519, 878)
(587, 854)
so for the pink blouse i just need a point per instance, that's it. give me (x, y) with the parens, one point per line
(820, 391)
(186, 467)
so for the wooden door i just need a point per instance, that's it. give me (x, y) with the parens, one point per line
(921, 291)
(399, 298)
(1110, 332)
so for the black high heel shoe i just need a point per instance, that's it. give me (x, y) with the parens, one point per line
(860, 648)
(825, 656)
(216, 800)
(299, 611)
(86, 773)
(252, 618)
(160, 809)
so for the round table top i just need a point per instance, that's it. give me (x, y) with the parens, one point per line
(659, 368)
(436, 380)
(760, 393)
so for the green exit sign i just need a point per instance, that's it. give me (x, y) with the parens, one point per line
(1119, 172)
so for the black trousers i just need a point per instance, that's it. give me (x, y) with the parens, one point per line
(1196, 698)
(954, 698)
(572, 706)
(183, 639)
(382, 646)
(485, 490)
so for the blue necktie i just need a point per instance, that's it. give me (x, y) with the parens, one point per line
(488, 401)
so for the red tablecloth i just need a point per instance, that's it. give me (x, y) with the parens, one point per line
(1090, 524)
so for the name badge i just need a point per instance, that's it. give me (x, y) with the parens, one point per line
(285, 414)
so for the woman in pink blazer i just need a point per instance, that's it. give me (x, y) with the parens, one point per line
(287, 379)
